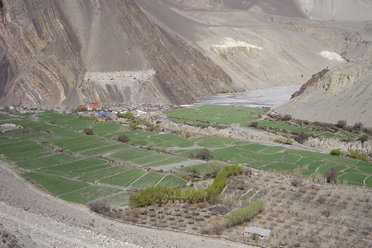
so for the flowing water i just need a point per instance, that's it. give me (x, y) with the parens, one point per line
(271, 97)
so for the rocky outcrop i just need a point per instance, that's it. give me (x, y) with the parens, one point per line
(342, 93)
(50, 49)
(312, 82)
(350, 10)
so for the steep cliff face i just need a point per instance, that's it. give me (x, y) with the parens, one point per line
(66, 52)
(40, 54)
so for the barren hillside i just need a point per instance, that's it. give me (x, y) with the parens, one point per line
(165, 51)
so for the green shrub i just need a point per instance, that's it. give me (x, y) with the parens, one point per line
(220, 181)
(123, 138)
(336, 152)
(247, 213)
(126, 115)
(192, 195)
(154, 195)
(134, 126)
(193, 172)
(161, 194)
(80, 109)
(212, 168)
(358, 155)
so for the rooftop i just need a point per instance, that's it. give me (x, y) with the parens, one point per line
(257, 230)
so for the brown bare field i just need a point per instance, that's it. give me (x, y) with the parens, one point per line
(299, 212)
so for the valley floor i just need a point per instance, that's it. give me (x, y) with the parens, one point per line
(32, 218)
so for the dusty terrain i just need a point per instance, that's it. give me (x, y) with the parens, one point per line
(299, 212)
(64, 53)
(36, 219)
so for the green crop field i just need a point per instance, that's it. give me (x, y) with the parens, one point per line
(209, 115)
(149, 180)
(54, 153)
(125, 178)
(226, 115)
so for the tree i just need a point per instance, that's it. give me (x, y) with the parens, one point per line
(331, 175)
(341, 124)
(204, 154)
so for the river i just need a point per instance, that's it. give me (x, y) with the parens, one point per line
(271, 97)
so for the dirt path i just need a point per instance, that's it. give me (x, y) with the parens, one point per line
(32, 215)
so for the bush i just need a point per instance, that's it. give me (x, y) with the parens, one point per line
(161, 194)
(247, 213)
(204, 154)
(154, 195)
(286, 118)
(358, 155)
(134, 126)
(331, 175)
(254, 124)
(193, 172)
(216, 227)
(363, 138)
(220, 181)
(89, 131)
(192, 195)
(212, 168)
(126, 115)
(147, 123)
(80, 109)
(100, 206)
(123, 138)
(368, 131)
(296, 182)
(336, 152)
(341, 124)
(358, 126)
(301, 137)
(283, 141)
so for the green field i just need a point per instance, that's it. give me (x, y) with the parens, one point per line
(226, 115)
(54, 153)
(209, 115)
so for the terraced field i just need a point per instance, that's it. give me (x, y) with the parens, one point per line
(226, 115)
(53, 151)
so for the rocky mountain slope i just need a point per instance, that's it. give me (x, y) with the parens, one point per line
(342, 93)
(169, 51)
(65, 52)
